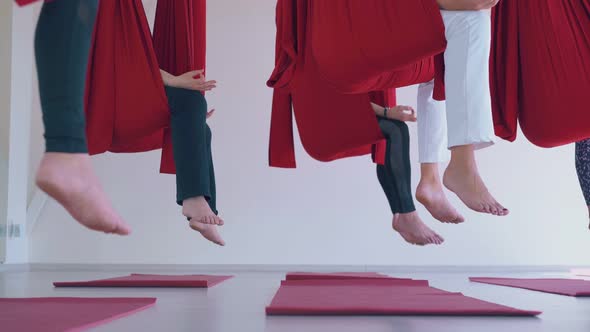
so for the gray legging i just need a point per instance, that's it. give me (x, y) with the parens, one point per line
(583, 167)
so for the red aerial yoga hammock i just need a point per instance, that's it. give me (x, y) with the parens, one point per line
(540, 70)
(325, 70)
(126, 105)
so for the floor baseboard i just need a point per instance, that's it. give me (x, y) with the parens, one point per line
(15, 268)
(284, 268)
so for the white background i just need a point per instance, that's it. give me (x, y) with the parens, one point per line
(319, 213)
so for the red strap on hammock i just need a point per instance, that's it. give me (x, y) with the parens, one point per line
(24, 2)
(540, 73)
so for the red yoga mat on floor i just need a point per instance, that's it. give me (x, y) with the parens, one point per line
(65, 314)
(366, 299)
(150, 280)
(335, 275)
(406, 283)
(570, 287)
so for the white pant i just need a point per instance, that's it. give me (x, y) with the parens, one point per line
(468, 103)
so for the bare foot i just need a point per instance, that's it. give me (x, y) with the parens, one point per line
(197, 209)
(208, 231)
(69, 179)
(432, 196)
(414, 231)
(466, 183)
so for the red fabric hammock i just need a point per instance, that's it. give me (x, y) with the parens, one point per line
(334, 124)
(126, 105)
(540, 70)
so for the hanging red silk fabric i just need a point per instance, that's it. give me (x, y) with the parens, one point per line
(126, 105)
(540, 70)
(335, 121)
(360, 46)
(180, 32)
(25, 2)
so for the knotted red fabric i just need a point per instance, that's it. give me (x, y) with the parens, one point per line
(329, 98)
(126, 105)
(540, 73)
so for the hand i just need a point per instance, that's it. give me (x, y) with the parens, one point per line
(193, 80)
(210, 113)
(461, 5)
(402, 113)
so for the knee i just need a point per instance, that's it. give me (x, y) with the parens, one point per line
(393, 129)
(183, 100)
(475, 24)
(479, 22)
(425, 90)
(403, 129)
(208, 133)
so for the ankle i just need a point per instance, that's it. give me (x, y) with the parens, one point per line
(462, 166)
(407, 216)
(427, 183)
(194, 200)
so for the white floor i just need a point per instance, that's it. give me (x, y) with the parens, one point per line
(238, 305)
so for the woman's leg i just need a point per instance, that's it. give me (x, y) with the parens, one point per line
(62, 45)
(212, 188)
(395, 179)
(583, 168)
(432, 150)
(191, 140)
(469, 115)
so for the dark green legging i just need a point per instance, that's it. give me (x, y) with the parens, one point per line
(62, 45)
(395, 175)
(191, 137)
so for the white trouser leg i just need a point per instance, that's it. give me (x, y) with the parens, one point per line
(432, 126)
(469, 110)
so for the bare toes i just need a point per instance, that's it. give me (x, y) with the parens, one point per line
(122, 230)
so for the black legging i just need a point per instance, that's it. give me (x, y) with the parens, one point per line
(583, 167)
(395, 175)
(62, 46)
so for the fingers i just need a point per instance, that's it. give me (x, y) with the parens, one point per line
(405, 116)
(405, 108)
(409, 117)
(205, 86)
(210, 113)
(487, 4)
(461, 5)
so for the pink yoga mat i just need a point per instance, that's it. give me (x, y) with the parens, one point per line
(366, 299)
(65, 314)
(150, 280)
(335, 275)
(407, 283)
(570, 287)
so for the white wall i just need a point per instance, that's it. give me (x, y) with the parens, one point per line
(320, 213)
(16, 80)
(5, 65)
